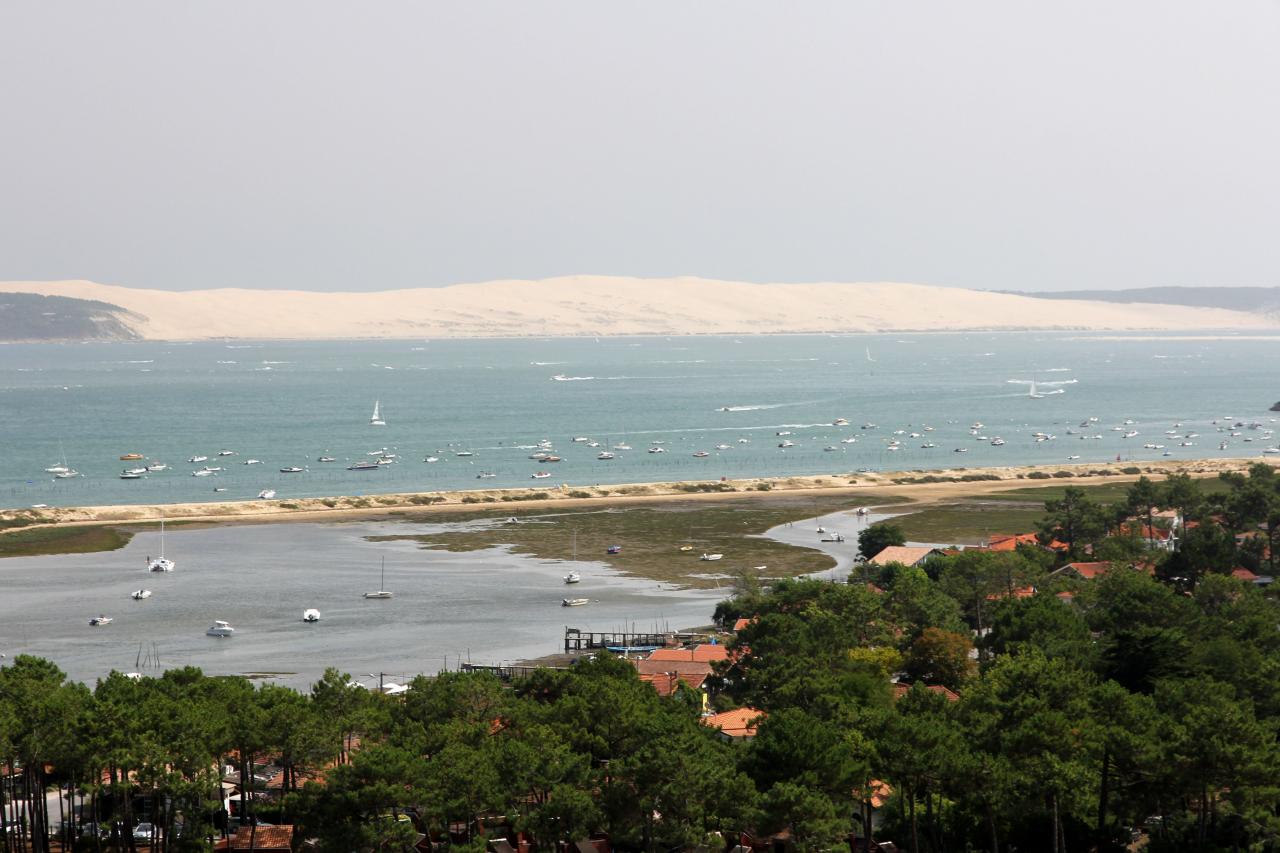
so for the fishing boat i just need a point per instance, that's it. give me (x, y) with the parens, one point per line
(711, 557)
(311, 615)
(573, 577)
(574, 602)
(220, 628)
(160, 564)
(376, 419)
(382, 584)
(100, 620)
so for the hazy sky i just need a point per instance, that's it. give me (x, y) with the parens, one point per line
(345, 145)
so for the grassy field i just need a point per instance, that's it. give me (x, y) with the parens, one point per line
(651, 536)
(62, 540)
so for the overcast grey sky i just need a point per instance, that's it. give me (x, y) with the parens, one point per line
(343, 145)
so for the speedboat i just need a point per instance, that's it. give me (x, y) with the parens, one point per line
(997, 442)
(68, 474)
(786, 443)
(311, 615)
(580, 439)
(686, 548)
(157, 466)
(220, 629)
(489, 475)
(100, 620)
(657, 450)
(701, 454)
(136, 470)
(326, 459)
(226, 453)
(251, 462)
(203, 472)
(549, 459)
(140, 594)
(961, 450)
(198, 459)
(829, 448)
(722, 447)
(294, 469)
(572, 577)
(464, 453)
(129, 475)
(711, 557)
(604, 454)
(573, 602)
(432, 459)
(267, 494)
(840, 422)
(541, 475)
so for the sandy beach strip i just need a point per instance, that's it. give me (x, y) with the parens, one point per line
(939, 488)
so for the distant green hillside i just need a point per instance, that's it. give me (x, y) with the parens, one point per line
(32, 317)
(1258, 300)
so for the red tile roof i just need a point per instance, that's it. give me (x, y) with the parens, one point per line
(703, 652)
(1089, 571)
(266, 838)
(652, 667)
(666, 682)
(900, 690)
(1010, 541)
(742, 623)
(1244, 575)
(905, 554)
(1020, 592)
(740, 722)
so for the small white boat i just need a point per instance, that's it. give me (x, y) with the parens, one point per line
(267, 494)
(485, 475)
(326, 459)
(381, 592)
(432, 459)
(722, 447)
(311, 615)
(622, 446)
(198, 459)
(541, 475)
(657, 450)
(376, 419)
(786, 443)
(464, 453)
(101, 620)
(997, 442)
(1131, 433)
(849, 440)
(140, 594)
(252, 462)
(829, 448)
(67, 475)
(580, 439)
(138, 471)
(203, 472)
(832, 537)
(711, 557)
(160, 564)
(961, 450)
(226, 453)
(292, 469)
(572, 577)
(220, 629)
(157, 466)
(574, 602)
(604, 454)
(701, 454)
(863, 511)
(129, 475)
(840, 422)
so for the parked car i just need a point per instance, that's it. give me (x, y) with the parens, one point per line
(143, 831)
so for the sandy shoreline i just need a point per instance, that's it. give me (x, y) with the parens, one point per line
(877, 485)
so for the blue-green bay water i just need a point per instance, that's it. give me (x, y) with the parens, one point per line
(289, 403)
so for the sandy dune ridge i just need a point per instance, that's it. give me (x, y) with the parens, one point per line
(587, 305)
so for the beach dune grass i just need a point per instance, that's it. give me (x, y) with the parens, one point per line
(650, 536)
(62, 540)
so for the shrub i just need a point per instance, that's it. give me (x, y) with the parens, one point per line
(579, 494)
(1131, 469)
(288, 506)
(1061, 474)
(1037, 475)
(764, 487)
(704, 487)
(329, 502)
(425, 499)
(470, 499)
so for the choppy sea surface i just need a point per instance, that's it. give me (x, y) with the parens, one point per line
(287, 404)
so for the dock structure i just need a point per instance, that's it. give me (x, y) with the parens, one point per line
(511, 672)
(576, 640)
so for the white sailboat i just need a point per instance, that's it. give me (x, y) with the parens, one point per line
(160, 564)
(376, 419)
(382, 585)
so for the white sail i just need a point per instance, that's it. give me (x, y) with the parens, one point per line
(376, 420)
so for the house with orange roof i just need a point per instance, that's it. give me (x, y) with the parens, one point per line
(736, 725)
(900, 690)
(907, 555)
(683, 667)
(1085, 571)
(702, 652)
(742, 623)
(1020, 592)
(1011, 541)
(261, 838)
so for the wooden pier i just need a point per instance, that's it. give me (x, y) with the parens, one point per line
(576, 640)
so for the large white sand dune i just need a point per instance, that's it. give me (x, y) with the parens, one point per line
(608, 305)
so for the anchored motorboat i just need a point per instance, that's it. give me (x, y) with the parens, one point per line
(574, 602)
(572, 577)
(711, 557)
(220, 628)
